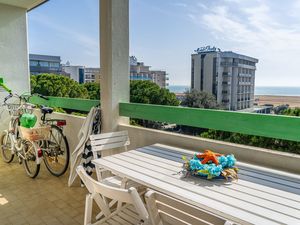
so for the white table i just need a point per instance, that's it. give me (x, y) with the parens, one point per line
(260, 196)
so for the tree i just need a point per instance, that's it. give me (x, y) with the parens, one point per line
(57, 85)
(292, 112)
(148, 92)
(93, 90)
(199, 99)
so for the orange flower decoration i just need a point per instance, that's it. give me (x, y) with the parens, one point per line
(209, 156)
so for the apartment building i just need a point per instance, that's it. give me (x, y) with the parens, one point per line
(139, 71)
(227, 75)
(44, 64)
(81, 74)
(74, 72)
(91, 74)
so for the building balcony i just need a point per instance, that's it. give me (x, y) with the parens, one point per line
(226, 82)
(226, 74)
(225, 100)
(245, 75)
(245, 83)
(229, 64)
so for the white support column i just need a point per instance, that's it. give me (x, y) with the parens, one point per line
(13, 53)
(114, 57)
(13, 48)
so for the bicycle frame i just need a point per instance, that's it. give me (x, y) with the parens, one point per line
(12, 132)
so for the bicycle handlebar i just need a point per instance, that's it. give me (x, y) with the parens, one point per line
(24, 98)
(8, 97)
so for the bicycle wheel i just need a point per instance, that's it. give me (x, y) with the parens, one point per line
(56, 152)
(6, 152)
(30, 154)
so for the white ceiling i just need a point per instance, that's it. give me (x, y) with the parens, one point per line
(27, 4)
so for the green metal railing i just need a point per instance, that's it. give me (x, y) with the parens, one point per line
(273, 126)
(66, 103)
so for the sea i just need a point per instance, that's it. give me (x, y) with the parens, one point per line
(259, 90)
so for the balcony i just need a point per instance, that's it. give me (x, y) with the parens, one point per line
(226, 74)
(286, 127)
(229, 64)
(47, 200)
(226, 82)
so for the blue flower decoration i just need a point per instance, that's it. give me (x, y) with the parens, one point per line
(223, 161)
(230, 160)
(215, 171)
(195, 164)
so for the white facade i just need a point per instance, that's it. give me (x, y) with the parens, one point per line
(91, 75)
(82, 74)
(139, 71)
(73, 71)
(227, 75)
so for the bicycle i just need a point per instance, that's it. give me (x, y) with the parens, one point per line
(21, 141)
(55, 150)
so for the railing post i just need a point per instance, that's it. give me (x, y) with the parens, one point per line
(114, 57)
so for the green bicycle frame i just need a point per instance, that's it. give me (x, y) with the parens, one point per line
(4, 86)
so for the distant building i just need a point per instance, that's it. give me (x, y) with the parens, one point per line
(82, 74)
(139, 71)
(74, 72)
(91, 75)
(45, 64)
(227, 75)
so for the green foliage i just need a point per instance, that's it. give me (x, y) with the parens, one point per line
(148, 92)
(93, 90)
(59, 110)
(79, 114)
(199, 99)
(58, 86)
(257, 141)
(292, 112)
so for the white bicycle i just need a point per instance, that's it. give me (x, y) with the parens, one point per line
(21, 141)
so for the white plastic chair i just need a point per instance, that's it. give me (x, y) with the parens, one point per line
(129, 210)
(107, 142)
(165, 210)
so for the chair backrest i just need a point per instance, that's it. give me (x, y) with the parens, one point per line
(165, 210)
(129, 196)
(107, 141)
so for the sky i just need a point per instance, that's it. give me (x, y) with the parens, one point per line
(164, 34)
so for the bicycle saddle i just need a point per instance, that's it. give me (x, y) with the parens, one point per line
(46, 110)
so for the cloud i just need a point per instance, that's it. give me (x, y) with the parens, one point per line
(257, 28)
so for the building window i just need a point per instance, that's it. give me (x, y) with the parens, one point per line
(202, 72)
(34, 63)
(214, 85)
(54, 64)
(44, 64)
(192, 77)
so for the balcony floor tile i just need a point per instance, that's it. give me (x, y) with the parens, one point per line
(44, 200)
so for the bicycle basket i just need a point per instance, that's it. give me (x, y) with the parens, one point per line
(35, 134)
(13, 109)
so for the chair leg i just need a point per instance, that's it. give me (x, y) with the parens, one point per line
(88, 209)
